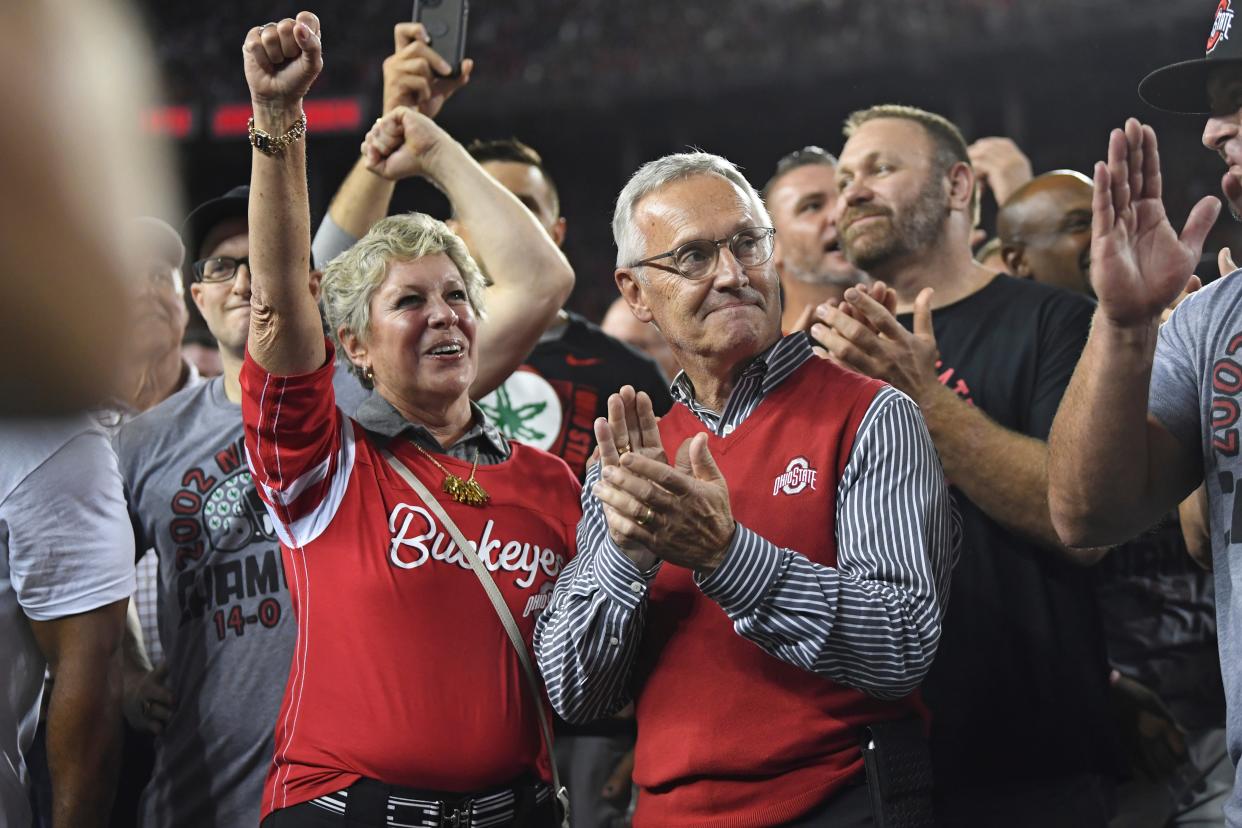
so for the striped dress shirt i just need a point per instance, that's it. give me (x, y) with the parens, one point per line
(872, 622)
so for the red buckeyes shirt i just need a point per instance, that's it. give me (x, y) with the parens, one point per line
(402, 671)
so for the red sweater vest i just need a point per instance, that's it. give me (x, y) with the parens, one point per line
(728, 734)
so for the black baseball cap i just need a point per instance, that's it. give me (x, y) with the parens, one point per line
(1182, 87)
(206, 216)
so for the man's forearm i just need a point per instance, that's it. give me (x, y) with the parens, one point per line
(133, 648)
(877, 635)
(1002, 472)
(84, 739)
(362, 200)
(1101, 480)
(586, 640)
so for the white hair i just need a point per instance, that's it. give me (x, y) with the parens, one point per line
(657, 174)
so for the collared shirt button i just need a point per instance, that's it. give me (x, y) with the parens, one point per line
(727, 430)
(614, 641)
(636, 586)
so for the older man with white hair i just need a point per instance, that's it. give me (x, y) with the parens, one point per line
(776, 593)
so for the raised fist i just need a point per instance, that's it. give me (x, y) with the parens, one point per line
(415, 75)
(1001, 165)
(283, 59)
(402, 144)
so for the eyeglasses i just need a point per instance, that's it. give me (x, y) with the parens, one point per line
(218, 268)
(697, 259)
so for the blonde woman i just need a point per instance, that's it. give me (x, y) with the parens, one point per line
(405, 701)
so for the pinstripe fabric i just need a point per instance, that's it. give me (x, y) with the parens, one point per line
(871, 622)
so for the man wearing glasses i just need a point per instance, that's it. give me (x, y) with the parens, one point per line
(779, 589)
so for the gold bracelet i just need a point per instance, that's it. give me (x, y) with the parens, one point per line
(268, 145)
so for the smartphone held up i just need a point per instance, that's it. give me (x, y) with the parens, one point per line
(445, 22)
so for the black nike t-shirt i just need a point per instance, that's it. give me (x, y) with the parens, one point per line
(1019, 687)
(552, 401)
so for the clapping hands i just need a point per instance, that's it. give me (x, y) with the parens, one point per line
(680, 513)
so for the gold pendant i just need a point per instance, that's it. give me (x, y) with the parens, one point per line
(468, 492)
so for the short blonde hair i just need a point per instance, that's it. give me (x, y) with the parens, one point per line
(351, 279)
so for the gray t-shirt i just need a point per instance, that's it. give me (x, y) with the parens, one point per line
(1196, 393)
(225, 616)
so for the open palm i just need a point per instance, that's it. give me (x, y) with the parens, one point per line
(1139, 264)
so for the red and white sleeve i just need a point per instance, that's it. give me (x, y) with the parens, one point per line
(299, 445)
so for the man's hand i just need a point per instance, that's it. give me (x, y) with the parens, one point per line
(999, 164)
(868, 339)
(1154, 740)
(1193, 515)
(416, 76)
(682, 514)
(632, 426)
(877, 290)
(1138, 262)
(617, 786)
(282, 60)
(147, 701)
(402, 144)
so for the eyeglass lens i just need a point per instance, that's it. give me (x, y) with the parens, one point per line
(750, 247)
(220, 268)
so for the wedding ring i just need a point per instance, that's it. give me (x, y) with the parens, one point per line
(623, 450)
(646, 516)
(265, 25)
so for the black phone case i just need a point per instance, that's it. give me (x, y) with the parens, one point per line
(445, 21)
(899, 774)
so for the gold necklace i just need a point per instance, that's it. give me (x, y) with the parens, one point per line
(462, 491)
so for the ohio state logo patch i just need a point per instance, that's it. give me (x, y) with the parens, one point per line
(1220, 26)
(798, 475)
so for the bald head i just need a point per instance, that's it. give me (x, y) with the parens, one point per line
(1045, 230)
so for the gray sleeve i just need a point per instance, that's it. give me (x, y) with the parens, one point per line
(1174, 397)
(330, 241)
(872, 621)
(587, 638)
(71, 549)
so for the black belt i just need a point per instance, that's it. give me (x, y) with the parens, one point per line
(369, 802)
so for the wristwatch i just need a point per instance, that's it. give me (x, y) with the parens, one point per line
(275, 145)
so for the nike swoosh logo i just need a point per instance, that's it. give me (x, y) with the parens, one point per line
(581, 362)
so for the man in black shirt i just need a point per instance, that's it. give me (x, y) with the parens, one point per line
(1021, 731)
